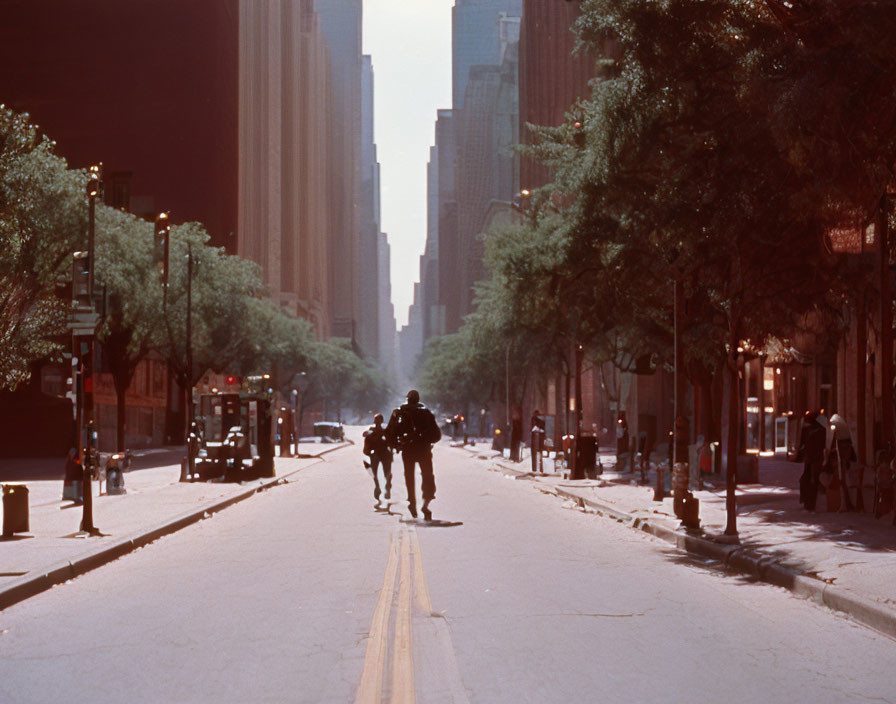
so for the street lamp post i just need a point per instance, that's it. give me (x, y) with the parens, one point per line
(163, 235)
(188, 386)
(86, 349)
(685, 505)
(509, 436)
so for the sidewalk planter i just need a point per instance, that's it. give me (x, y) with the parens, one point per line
(15, 509)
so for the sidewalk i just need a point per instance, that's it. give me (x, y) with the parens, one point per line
(156, 503)
(846, 561)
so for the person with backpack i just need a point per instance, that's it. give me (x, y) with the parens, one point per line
(376, 447)
(413, 431)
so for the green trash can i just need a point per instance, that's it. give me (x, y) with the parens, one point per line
(15, 509)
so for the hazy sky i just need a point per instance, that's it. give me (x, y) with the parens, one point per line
(410, 41)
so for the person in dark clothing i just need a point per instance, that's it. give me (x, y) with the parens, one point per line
(808, 419)
(813, 438)
(413, 431)
(516, 435)
(844, 453)
(376, 447)
(537, 427)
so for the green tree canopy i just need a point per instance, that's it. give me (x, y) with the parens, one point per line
(42, 221)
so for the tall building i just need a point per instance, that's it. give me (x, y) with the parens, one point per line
(476, 38)
(216, 111)
(151, 89)
(487, 171)
(434, 310)
(240, 114)
(341, 25)
(367, 332)
(552, 77)
(284, 119)
(446, 244)
(486, 132)
(385, 309)
(410, 342)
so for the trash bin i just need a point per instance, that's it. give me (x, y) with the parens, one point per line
(15, 509)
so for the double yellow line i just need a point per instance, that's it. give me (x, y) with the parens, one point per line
(410, 585)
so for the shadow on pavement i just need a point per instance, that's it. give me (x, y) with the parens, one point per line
(33, 469)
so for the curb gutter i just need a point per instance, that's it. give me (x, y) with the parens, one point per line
(43, 579)
(751, 562)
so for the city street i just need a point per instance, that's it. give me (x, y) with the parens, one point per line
(305, 593)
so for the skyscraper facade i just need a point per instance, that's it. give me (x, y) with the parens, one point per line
(284, 111)
(552, 76)
(151, 89)
(341, 25)
(486, 132)
(476, 38)
(367, 331)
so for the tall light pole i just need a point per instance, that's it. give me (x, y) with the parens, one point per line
(188, 386)
(86, 349)
(576, 468)
(507, 397)
(163, 235)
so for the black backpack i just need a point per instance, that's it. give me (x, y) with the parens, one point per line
(406, 433)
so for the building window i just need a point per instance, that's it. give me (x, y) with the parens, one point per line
(121, 190)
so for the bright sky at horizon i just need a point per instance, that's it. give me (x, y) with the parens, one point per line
(410, 42)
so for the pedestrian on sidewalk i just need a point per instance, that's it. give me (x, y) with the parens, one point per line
(376, 447)
(516, 434)
(413, 431)
(842, 448)
(621, 439)
(537, 426)
(811, 452)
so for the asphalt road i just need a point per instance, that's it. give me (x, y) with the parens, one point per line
(306, 594)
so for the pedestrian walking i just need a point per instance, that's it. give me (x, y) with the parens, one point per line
(413, 431)
(516, 434)
(621, 439)
(537, 426)
(376, 447)
(813, 437)
(842, 448)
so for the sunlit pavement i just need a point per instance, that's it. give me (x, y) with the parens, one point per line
(853, 554)
(306, 593)
(153, 495)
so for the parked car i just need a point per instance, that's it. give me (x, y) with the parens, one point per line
(329, 431)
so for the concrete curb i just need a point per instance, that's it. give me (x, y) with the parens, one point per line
(301, 456)
(747, 561)
(42, 580)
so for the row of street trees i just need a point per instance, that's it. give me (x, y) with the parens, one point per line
(235, 329)
(722, 142)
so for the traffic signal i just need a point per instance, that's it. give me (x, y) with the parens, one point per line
(232, 380)
(160, 252)
(578, 135)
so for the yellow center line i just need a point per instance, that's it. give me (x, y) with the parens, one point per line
(402, 689)
(421, 591)
(371, 687)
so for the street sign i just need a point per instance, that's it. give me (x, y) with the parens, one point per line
(83, 322)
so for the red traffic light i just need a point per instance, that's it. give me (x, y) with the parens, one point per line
(232, 380)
